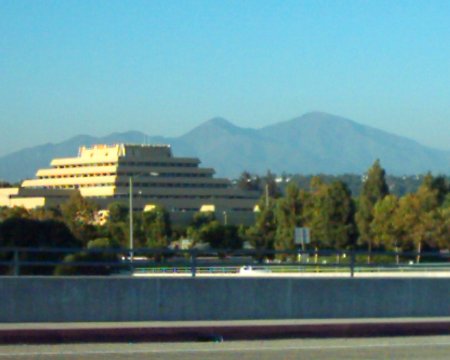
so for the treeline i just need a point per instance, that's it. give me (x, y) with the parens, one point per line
(376, 219)
(397, 185)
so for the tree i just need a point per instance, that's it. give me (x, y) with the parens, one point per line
(374, 190)
(91, 256)
(439, 184)
(288, 216)
(14, 212)
(270, 185)
(156, 227)
(262, 234)
(118, 212)
(79, 214)
(118, 223)
(420, 221)
(248, 182)
(200, 218)
(30, 233)
(383, 228)
(43, 213)
(330, 215)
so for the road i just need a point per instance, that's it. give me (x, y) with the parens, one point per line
(411, 348)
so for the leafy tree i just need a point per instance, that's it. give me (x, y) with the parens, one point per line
(118, 212)
(374, 190)
(383, 227)
(219, 236)
(85, 257)
(420, 221)
(30, 233)
(79, 214)
(439, 184)
(117, 225)
(288, 216)
(156, 227)
(43, 213)
(262, 234)
(14, 212)
(330, 215)
(201, 218)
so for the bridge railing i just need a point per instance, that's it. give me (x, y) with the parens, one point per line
(18, 261)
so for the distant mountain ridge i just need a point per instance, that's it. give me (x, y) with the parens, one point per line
(310, 144)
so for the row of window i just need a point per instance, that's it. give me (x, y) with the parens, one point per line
(141, 185)
(130, 163)
(146, 196)
(159, 175)
(71, 166)
(160, 164)
(177, 185)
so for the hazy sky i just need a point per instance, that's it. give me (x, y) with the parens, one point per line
(163, 67)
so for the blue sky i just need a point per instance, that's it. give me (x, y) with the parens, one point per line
(163, 67)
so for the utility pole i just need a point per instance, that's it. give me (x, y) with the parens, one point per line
(131, 217)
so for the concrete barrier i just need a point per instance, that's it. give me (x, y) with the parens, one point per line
(72, 299)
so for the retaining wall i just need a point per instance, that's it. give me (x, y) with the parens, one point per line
(68, 299)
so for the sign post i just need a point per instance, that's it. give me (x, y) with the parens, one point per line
(302, 236)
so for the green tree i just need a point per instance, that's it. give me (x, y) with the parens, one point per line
(30, 233)
(90, 255)
(383, 228)
(439, 184)
(374, 189)
(330, 215)
(420, 221)
(80, 214)
(117, 225)
(288, 216)
(156, 227)
(262, 234)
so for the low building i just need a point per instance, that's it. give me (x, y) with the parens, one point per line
(108, 173)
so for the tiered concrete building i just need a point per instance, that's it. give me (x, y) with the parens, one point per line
(107, 173)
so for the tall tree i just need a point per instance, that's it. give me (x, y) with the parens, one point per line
(288, 216)
(262, 234)
(420, 221)
(328, 211)
(383, 228)
(118, 223)
(374, 189)
(156, 227)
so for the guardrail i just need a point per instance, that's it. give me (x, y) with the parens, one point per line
(101, 261)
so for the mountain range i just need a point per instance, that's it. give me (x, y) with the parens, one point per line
(310, 144)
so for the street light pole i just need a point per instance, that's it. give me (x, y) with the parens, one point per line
(131, 217)
(130, 179)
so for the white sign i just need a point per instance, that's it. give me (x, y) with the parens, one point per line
(302, 235)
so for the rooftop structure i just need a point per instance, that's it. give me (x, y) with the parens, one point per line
(105, 173)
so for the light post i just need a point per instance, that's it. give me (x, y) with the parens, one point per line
(130, 190)
(130, 205)
(225, 218)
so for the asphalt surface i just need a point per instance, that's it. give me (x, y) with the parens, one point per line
(411, 348)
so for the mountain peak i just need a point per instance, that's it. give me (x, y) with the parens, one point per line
(220, 122)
